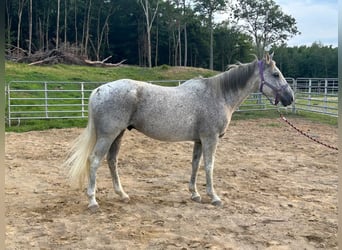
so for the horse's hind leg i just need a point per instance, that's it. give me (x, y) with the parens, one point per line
(112, 157)
(196, 157)
(100, 149)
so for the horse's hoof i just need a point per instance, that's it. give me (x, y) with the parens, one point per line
(93, 208)
(196, 199)
(217, 203)
(125, 199)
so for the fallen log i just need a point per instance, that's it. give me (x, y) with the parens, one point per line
(59, 56)
(103, 64)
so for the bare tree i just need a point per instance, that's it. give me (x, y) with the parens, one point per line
(149, 21)
(86, 32)
(75, 23)
(100, 32)
(208, 8)
(47, 28)
(30, 28)
(185, 13)
(57, 29)
(65, 23)
(9, 20)
(20, 14)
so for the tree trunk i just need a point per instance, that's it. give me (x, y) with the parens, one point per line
(179, 44)
(175, 49)
(87, 30)
(185, 46)
(20, 13)
(57, 29)
(65, 24)
(84, 33)
(146, 7)
(75, 25)
(157, 41)
(149, 54)
(9, 21)
(30, 29)
(41, 33)
(148, 32)
(47, 29)
(100, 34)
(211, 61)
(185, 35)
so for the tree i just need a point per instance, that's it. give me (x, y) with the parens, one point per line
(30, 28)
(265, 22)
(8, 24)
(20, 14)
(145, 4)
(207, 8)
(65, 23)
(57, 29)
(105, 9)
(231, 46)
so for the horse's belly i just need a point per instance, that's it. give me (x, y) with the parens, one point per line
(172, 137)
(168, 129)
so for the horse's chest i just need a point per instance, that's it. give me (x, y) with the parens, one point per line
(214, 121)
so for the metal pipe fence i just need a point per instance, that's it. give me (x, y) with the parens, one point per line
(29, 100)
(319, 95)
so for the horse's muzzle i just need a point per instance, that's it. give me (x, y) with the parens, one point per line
(286, 97)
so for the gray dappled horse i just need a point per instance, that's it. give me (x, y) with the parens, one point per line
(198, 110)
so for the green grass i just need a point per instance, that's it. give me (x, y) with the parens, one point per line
(60, 72)
(273, 114)
(30, 125)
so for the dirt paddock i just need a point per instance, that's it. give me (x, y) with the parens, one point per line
(279, 191)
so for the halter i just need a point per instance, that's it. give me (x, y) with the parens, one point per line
(275, 90)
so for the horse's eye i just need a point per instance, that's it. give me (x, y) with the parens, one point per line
(276, 74)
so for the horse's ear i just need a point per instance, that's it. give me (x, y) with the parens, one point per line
(268, 57)
(271, 56)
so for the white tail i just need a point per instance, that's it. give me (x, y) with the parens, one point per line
(77, 161)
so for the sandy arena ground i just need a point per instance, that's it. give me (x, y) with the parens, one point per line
(279, 191)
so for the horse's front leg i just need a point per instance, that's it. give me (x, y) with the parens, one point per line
(209, 149)
(196, 157)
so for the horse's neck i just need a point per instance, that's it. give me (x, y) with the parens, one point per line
(235, 98)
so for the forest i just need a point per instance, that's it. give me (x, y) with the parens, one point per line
(149, 33)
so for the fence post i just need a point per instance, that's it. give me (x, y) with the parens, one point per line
(82, 98)
(9, 103)
(309, 93)
(326, 96)
(294, 85)
(46, 100)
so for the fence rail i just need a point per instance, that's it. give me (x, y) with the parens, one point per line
(28, 100)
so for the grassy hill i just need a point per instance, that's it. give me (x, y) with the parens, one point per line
(15, 71)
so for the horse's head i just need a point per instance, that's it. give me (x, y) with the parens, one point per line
(273, 83)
